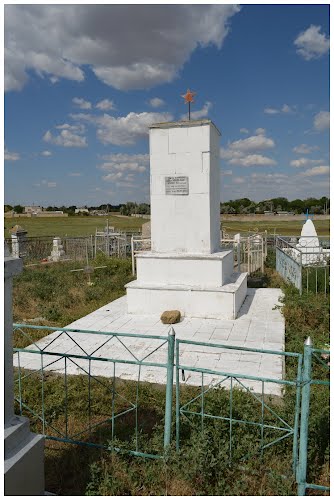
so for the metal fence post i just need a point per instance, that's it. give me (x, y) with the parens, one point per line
(132, 255)
(301, 273)
(169, 388)
(238, 255)
(304, 417)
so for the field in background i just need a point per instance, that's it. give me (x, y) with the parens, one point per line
(282, 227)
(71, 226)
(82, 226)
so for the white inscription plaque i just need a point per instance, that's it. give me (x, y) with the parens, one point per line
(177, 185)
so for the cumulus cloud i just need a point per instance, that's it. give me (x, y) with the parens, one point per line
(105, 105)
(275, 111)
(10, 156)
(304, 149)
(81, 103)
(46, 153)
(303, 162)
(311, 43)
(201, 113)
(156, 102)
(122, 162)
(57, 41)
(252, 161)
(244, 131)
(123, 130)
(311, 172)
(238, 180)
(69, 137)
(247, 152)
(321, 121)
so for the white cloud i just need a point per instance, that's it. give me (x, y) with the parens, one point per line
(304, 149)
(123, 130)
(303, 162)
(238, 180)
(48, 184)
(67, 138)
(311, 172)
(321, 121)
(81, 103)
(10, 156)
(122, 162)
(105, 105)
(252, 161)
(244, 131)
(113, 176)
(57, 41)
(46, 153)
(311, 44)
(247, 152)
(275, 111)
(201, 113)
(156, 102)
(252, 144)
(226, 172)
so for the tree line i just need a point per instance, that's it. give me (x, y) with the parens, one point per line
(240, 206)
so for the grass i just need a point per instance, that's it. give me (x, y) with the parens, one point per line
(71, 226)
(287, 228)
(202, 467)
(82, 226)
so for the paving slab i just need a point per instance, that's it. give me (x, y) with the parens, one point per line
(259, 325)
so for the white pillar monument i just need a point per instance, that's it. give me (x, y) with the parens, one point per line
(24, 451)
(186, 268)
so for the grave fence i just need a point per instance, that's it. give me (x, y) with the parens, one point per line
(38, 365)
(306, 266)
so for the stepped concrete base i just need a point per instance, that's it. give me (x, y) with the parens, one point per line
(206, 270)
(24, 459)
(221, 302)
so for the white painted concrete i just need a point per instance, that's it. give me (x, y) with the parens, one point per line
(258, 325)
(186, 269)
(24, 451)
(212, 270)
(185, 223)
(191, 300)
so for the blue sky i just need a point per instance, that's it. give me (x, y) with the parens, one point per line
(83, 83)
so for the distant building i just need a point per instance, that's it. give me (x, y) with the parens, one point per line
(34, 209)
(82, 211)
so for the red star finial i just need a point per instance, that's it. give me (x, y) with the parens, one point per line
(189, 96)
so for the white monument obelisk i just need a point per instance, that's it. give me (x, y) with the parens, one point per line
(186, 268)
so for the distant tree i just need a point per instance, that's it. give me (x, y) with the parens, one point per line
(8, 208)
(18, 209)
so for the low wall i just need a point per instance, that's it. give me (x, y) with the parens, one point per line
(262, 217)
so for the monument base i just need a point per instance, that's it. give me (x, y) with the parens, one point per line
(24, 459)
(222, 302)
(206, 270)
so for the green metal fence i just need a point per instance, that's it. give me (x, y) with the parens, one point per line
(273, 427)
(36, 365)
(321, 371)
(43, 362)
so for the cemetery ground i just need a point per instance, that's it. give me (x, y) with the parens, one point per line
(86, 225)
(51, 295)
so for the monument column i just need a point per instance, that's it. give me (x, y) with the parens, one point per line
(186, 269)
(24, 451)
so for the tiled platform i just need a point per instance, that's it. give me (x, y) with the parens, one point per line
(258, 326)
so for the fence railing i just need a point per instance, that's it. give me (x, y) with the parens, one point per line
(321, 357)
(306, 266)
(83, 356)
(45, 391)
(273, 427)
(249, 252)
